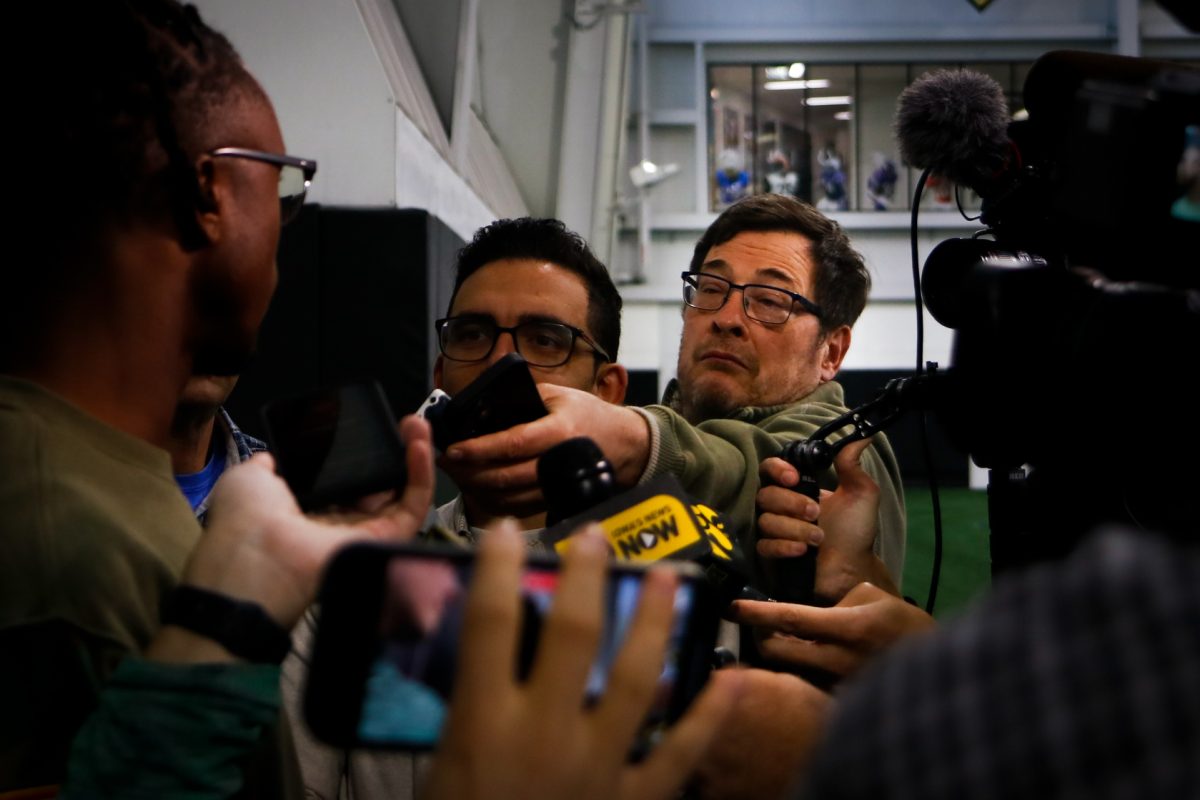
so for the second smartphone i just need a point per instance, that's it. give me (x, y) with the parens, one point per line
(386, 650)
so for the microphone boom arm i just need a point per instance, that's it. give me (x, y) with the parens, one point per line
(816, 453)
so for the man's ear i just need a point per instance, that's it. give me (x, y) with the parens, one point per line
(437, 372)
(211, 190)
(612, 381)
(833, 351)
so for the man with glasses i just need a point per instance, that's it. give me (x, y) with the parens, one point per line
(533, 287)
(131, 646)
(770, 361)
(161, 269)
(529, 286)
(771, 294)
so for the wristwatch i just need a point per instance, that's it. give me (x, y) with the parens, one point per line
(241, 627)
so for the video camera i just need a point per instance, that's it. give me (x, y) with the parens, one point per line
(1076, 311)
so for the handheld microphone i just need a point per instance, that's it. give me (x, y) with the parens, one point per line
(955, 122)
(574, 476)
(649, 523)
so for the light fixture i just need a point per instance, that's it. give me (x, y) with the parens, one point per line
(795, 70)
(844, 116)
(645, 174)
(829, 100)
(815, 83)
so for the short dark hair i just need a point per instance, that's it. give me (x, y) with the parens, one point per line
(116, 104)
(548, 240)
(840, 281)
(124, 98)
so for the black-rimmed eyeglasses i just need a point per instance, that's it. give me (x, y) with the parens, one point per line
(769, 305)
(541, 344)
(295, 176)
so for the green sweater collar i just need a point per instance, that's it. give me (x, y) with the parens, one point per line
(829, 392)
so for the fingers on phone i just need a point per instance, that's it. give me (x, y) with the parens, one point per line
(676, 756)
(492, 618)
(573, 627)
(633, 680)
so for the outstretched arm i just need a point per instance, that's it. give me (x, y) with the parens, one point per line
(499, 470)
(189, 712)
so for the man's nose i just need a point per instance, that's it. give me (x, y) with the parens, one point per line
(506, 342)
(731, 317)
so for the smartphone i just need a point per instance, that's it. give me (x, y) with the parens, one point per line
(386, 648)
(334, 446)
(503, 395)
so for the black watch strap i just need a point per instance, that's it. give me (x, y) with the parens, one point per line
(241, 627)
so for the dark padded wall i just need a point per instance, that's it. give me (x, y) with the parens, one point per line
(358, 292)
(643, 387)
(949, 463)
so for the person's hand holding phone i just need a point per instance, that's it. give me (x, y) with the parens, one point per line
(837, 641)
(503, 466)
(536, 739)
(259, 547)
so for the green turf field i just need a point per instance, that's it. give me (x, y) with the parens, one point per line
(966, 569)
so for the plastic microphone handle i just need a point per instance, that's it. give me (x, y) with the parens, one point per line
(794, 579)
(574, 476)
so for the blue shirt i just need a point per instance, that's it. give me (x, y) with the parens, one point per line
(196, 486)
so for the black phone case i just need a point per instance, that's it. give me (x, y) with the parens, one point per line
(504, 395)
(334, 446)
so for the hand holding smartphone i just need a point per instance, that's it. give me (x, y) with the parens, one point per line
(386, 662)
(503, 395)
(534, 739)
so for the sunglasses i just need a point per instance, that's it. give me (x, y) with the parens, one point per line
(295, 176)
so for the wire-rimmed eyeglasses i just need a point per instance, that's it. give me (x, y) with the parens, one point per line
(295, 176)
(541, 343)
(769, 305)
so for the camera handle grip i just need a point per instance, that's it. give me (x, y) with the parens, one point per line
(795, 578)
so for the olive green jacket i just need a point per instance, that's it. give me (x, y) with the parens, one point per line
(717, 461)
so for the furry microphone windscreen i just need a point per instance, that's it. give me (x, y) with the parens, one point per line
(955, 122)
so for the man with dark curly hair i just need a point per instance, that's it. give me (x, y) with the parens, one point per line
(533, 287)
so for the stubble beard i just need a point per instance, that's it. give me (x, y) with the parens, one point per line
(698, 403)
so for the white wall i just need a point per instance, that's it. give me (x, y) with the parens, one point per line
(317, 61)
(318, 64)
(522, 63)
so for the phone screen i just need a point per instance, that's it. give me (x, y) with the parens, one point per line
(409, 671)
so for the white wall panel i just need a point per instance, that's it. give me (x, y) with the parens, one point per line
(316, 62)
(424, 180)
(885, 337)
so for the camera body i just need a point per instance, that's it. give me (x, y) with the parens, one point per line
(1077, 318)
